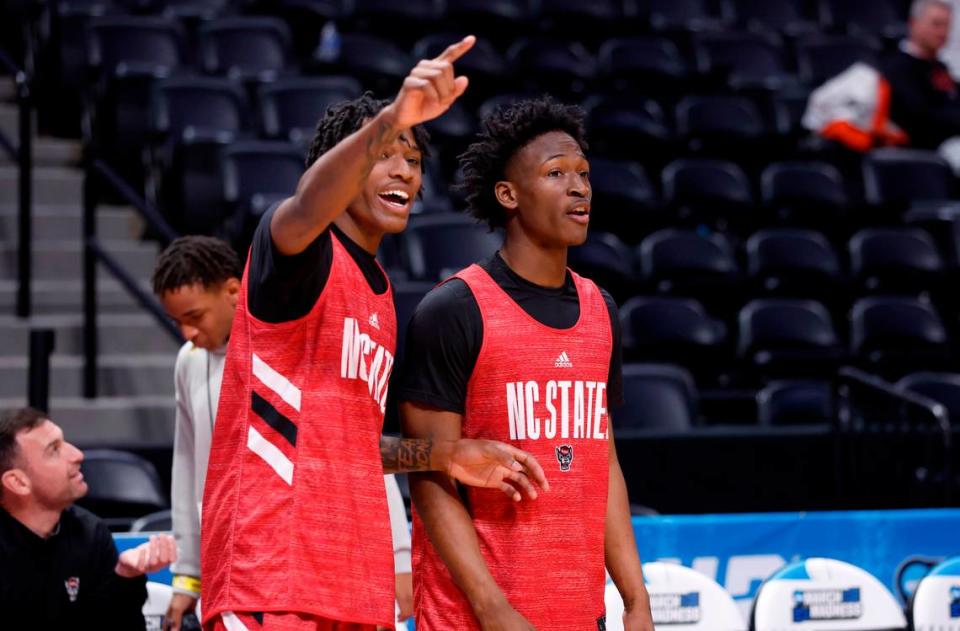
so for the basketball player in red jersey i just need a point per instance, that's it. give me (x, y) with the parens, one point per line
(521, 349)
(295, 533)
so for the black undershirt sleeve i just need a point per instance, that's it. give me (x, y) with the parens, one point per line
(442, 345)
(284, 288)
(615, 376)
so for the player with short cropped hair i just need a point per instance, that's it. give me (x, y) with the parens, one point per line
(519, 348)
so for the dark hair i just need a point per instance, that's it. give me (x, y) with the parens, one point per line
(503, 133)
(12, 423)
(195, 259)
(342, 119)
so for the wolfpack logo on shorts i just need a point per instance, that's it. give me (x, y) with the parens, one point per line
(73, 588)
(543, 390)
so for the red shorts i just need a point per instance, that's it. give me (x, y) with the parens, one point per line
(282, 622)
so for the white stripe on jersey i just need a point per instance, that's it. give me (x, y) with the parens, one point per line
(270, 454)
(276, 382)
(232, 622)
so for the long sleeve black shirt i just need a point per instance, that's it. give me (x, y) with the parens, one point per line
(925, 102)
(66, 581)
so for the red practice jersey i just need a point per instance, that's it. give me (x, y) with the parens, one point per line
(544, 391)
(294, 510)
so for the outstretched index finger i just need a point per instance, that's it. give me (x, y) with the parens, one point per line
(457, 50)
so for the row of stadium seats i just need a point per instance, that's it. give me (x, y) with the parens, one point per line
(885, 17)
(261, 47)
(665, 397)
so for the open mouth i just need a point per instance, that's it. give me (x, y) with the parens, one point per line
(395, 197)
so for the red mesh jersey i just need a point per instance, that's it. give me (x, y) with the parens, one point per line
(294, 512)
(544, 391)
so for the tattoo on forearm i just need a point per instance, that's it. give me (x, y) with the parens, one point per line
(405, 454)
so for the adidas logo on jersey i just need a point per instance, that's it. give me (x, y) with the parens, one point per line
(563, 361)
(375, 321)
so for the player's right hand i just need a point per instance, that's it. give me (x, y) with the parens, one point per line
(430, 88)
(180, 605)
(504, 618)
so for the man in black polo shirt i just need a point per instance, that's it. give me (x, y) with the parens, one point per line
(59, 567)
(925, 101)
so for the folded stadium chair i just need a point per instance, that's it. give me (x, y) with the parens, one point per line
(867, 17)
(291, 108)
(804, 193)
(128, 54)
(779, 16)
(936, 601)
(500, 20)
(787, 337)
(796, 402)
(677, 330)
(197, 107)
(564, 69)
(898, 179)
(605, 260)
(685, 263)
(135, 42)
(195, 11)
(793, 262)
(651, 64)
(305, 19)
(436, 246)
(680, 15)
(789, 104)
(122, 486)
(821, 57)
(894, 335)
(895, 260)
(741, 60)
(255, 174)
(800, 595)
(630, 128)
(717, 191)
(728, 127)
(378, 63)
(656, 397)
(624, 200)
(451, 133)
(942, 387)
(400, 22)
(160, 521)
(246, 48)
(586, 22)
(486, 67)
(681, 597)
(193, 119)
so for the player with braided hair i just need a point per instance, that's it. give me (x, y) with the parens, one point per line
(295, 530)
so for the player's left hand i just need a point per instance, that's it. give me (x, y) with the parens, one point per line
(404, 583)
(496, 465)
(638, 618)
(151, 556)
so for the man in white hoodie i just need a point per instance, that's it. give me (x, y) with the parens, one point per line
(197, 280)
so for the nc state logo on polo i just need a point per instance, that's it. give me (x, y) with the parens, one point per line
(557, 409)
(363, 359)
